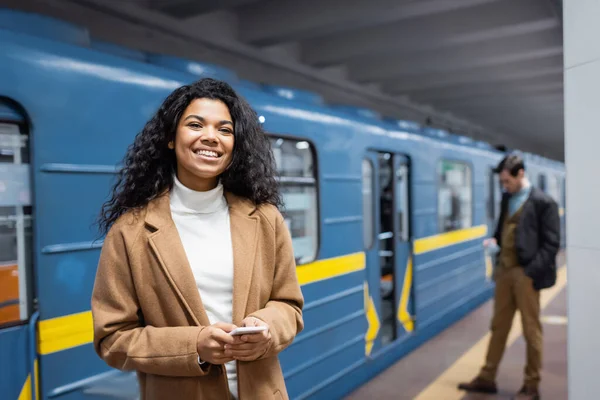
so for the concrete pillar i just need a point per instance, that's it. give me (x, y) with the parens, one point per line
(582, 146)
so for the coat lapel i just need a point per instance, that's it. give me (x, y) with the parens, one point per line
(168, 249)
(244, 240)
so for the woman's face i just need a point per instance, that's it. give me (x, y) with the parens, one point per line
(203, 143)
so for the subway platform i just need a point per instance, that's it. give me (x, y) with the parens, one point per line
(433, 371)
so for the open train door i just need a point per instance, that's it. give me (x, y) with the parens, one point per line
(405, 314)
(17, 322)
(386, 194)
(494, 198)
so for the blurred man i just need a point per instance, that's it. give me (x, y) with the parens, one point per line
(527, 238)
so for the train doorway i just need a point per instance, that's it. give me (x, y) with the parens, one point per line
(386, 198)
(17, 316)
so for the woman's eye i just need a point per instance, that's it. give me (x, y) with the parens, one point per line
(195, 125)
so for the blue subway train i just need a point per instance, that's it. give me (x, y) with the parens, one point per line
(387, 217)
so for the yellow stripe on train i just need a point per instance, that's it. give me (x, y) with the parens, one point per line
(442, 240)
(330, 268)
(404, 316)
(74, 330)
(61, 333)
(26, 389)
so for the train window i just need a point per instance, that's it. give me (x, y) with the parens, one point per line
(542, 182)
(554, 188)
(491, 197)
(455, 196)
(368, 182)
(564, 192)
(15, 225)
(402, 202)
(297, 177)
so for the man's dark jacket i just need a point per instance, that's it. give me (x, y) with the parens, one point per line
(537, 237)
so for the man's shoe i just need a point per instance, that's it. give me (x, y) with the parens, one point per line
(528, 393)
(479, 385)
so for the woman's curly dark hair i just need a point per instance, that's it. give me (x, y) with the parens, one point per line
(149, 164)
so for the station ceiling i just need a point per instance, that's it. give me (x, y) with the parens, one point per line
(490, 69)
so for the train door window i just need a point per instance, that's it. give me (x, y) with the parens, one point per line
(498, 192)
(491, 197)
(554, 188)
(542, 182)
(16, 247)
(455, 196)
(559, 191)
(295, 160)
(368, 207)
(564, 192)
(402, 202)
(386, 247)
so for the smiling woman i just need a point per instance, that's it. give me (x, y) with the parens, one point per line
(203, 143)
(196, 247)
(150, 163)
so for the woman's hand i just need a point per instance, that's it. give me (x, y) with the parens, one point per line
(250, 347)
(212, 341)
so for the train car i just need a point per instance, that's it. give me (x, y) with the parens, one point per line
(386, 217)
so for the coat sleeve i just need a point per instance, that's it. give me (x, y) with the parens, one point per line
(549, 241)
(283, 312)
(120, 337)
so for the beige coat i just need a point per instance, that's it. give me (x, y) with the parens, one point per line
(148, 312)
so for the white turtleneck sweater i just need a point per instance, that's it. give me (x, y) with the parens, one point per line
(202, 219)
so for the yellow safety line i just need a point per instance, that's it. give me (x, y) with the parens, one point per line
(468, 365)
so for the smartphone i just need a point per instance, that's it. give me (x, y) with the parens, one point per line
(247, 330)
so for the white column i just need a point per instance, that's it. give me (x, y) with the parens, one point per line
(582, 149)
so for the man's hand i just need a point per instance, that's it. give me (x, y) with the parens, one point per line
(251, 346)
(489, 242)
